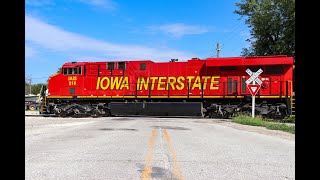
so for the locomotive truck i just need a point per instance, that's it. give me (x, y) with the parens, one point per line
(212, 87)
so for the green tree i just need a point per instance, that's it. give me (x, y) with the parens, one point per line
(59, 70)
(35, 88)
(26, 88)
(272, 26)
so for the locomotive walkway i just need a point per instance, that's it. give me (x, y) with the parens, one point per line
(154, 148)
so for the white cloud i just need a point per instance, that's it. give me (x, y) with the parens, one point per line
(56, 39)
(179, 29)
(107, 4)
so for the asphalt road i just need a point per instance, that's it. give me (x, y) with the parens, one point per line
(152, 148)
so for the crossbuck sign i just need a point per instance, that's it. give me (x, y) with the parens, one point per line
(254, 76)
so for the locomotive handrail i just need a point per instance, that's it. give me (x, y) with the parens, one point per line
(282, 91)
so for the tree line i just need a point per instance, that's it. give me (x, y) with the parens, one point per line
(272, 26)
(33, 88)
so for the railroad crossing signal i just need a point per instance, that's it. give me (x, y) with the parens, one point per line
(254, 88)
(254, 76)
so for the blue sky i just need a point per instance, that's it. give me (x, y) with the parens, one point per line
(59, 31)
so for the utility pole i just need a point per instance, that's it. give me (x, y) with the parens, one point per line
(30, 84)
(218, 50)
(28, 80)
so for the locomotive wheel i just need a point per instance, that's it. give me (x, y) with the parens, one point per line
(211, 114)
(107, 113)
(225, 115)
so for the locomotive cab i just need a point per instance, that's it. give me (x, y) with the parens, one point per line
(82, 79)
(68, 81)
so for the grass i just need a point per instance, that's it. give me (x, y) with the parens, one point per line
(248, 120)
(259, 121)
(281, 127)
(290, 119)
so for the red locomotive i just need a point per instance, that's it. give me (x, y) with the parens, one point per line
(214, 87)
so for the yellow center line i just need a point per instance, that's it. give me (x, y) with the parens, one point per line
(148, 163)
(176, 166)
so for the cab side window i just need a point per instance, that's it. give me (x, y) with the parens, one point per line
(122, 65)
(68, 71)
(110, 66)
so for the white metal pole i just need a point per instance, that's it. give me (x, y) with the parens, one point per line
(253, 101)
